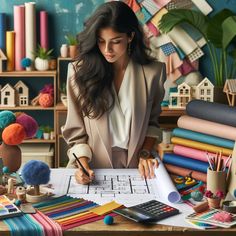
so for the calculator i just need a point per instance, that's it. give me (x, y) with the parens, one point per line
(150, 211)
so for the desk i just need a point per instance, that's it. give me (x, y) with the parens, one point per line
(123, 227)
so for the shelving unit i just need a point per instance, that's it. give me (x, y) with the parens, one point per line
(44, 77)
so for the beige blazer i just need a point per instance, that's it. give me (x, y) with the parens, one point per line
(146, 97)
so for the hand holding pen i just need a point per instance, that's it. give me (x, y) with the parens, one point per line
(84, 175)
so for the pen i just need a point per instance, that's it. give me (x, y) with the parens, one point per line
(82, 167)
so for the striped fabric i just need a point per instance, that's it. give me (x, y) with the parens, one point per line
(33, 224)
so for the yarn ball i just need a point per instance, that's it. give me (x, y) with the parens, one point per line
(26, 62)
(17, 202)
(197, 196)
(46, 100)
(13, 134)
(48, 88)
(36, 172)
(6, 118)
(108, 220)
(5, 169)
(29, 123)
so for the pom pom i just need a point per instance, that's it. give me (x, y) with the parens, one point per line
(36, 172)
(223, 217)
(13, 134)
(17, 202)
(6, 118)
(5, 169)
(48, 88)
(28, 123)
(26, 62)
(108, 220)
(197, 196)
(46, 100)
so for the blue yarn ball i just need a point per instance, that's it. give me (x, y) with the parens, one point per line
(17, 202)
(26, 62)
(5, 170)
(6, 118)
(197, 195)
(108, 220)
(36, 172)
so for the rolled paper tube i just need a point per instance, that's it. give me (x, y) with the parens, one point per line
(10, 50)
(201, 146)
(19, 28)
(176, 170)
(204, 138)
(165, 185)
(177, 160)
(3, 31)
(207, 127)
(212, 111)
(195, 153)
(43, 29)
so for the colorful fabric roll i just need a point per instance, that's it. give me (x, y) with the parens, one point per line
(36, 224)
(212, 111)
(195, 153)
(69, 212)
(176, 170)
(10, 50)
(188, 163)
(207, 127)
(204, 138)
(201, 146)
(3, 32)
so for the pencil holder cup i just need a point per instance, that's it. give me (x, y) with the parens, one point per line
(216, 181)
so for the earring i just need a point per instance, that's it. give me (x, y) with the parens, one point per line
(129, 49)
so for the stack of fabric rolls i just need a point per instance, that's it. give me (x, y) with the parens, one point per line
(208, 129)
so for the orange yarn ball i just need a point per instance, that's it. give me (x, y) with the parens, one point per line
(13, 134)
(46, 100)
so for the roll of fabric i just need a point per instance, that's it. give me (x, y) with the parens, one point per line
(176, 170)
(212, 111)
(19, 28)
(207, 127)
(3, 32)
(177, 160)
(43, 29)
(30, 31)
(195, 153)
(204, 138)
(10, 50)
(201, 146)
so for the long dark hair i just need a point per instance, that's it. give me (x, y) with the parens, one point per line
(94, 75)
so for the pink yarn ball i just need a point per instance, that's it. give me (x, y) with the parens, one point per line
(46, 100)
(13, 134)
(29, 123)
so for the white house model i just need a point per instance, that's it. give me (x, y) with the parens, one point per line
(204, 91)
(230, 90)
(22, 94)
(8, 96)
(14, 96)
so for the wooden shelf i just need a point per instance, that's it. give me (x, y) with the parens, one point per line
(166, 111)
(39, 141)
(35, 73)
(60, 107)
(27, 108)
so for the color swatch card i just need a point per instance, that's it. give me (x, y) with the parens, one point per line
(7, 208)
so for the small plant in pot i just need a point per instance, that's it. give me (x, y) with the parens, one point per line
(73, 43)
(42, 57)
(46, 131)
(35, 173)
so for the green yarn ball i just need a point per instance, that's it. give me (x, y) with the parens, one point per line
(6, 118)
(197, 196)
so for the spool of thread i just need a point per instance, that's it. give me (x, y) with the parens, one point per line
(166, 136)
(21, 193)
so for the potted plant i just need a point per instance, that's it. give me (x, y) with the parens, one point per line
(63, 94)
(46, 131)
(218, 31)
(214, 199)
(73, 43)
(42, 57)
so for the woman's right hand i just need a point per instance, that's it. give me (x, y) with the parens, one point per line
(80, 176)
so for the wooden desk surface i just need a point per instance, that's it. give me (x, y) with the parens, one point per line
(123, 227)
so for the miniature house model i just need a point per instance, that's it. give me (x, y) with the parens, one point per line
(22, 94)
(17, 96)
(8, 96)
(204, 91)
(230, 90)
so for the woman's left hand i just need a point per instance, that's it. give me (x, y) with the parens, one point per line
(146, 167)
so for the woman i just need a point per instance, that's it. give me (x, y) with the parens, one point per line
(114, 93)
